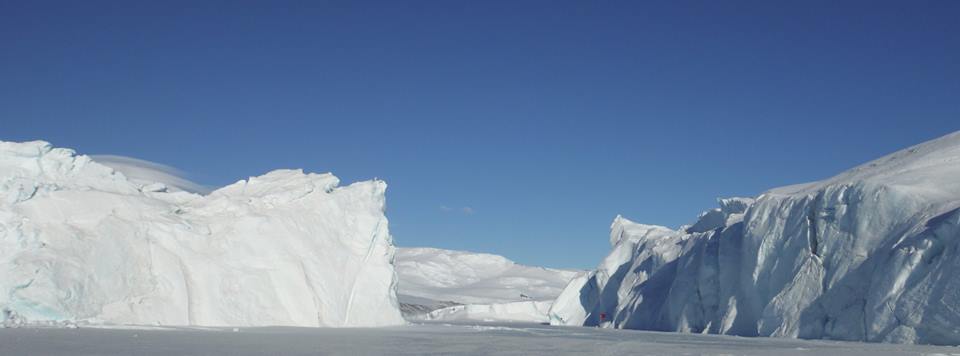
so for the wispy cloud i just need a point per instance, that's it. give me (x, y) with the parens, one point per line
(466, 210)
(146, 172)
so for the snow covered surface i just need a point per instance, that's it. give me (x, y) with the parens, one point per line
(870, 254)
(424, 339)
(474, 278)
(437, 284)
(80, 241)
(525, 311)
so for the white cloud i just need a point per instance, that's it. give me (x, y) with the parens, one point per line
(146, 172)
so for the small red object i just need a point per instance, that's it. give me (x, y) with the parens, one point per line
(603, 316)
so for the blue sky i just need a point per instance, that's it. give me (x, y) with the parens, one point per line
(513, 127)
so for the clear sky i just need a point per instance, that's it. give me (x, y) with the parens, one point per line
(513, 127)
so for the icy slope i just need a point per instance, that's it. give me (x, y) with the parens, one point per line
(474, 278)
(79, 241)
(870, 254)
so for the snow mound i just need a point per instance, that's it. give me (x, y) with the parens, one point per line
(871, 254)
(474, 278)
(80, 241)
(526, 311)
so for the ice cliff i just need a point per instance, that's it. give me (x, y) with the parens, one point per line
(870, 254)
(80, 241)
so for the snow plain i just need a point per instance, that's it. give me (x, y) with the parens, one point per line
(872, 254)
(423, 339)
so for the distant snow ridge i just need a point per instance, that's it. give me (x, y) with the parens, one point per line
(525, 311)
(870, 254)
(474, 278)
(80, 241)
(433, 282)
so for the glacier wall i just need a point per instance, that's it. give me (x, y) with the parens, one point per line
(870, 255)
(79, 241)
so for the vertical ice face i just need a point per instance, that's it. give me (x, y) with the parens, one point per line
(80, 241)
(870, 254)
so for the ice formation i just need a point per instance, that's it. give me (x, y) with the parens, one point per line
(80, 241)
(870, 254)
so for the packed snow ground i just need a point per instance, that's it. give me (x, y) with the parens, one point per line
(422, 339)
(81, 241)
(871, 254)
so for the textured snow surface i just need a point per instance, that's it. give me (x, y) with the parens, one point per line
(525, 311)
(870, 254)
(80, 241)
(474, 278)
(426, 339)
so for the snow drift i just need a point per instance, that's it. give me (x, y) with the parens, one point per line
(870, 254)
(80, 241)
